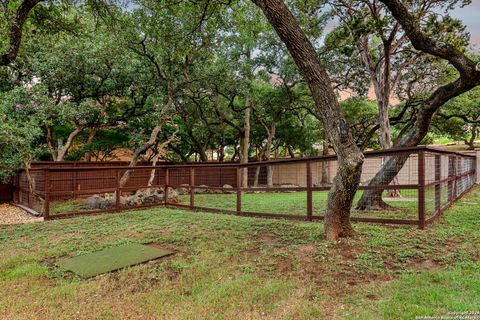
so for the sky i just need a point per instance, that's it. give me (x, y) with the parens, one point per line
(470, 15)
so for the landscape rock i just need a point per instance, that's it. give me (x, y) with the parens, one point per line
(183, 189)
(172, 194)
(96, 202)
(227, 186)
(202, 189)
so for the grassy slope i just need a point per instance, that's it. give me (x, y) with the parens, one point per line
(232, 267)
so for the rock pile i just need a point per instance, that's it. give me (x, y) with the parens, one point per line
(146, 196)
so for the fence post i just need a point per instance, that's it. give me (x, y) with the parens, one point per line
(438, 186)
(239, 191)
(117, 189)
(309, 191)
(192, 189)
(421, 189)
(450, 181)
(455, 172)
(74, 183)
(46, 203)
(167, 182)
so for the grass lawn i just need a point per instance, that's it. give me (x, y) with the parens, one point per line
(228, 267)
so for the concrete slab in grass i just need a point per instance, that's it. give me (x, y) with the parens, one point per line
(111, 259)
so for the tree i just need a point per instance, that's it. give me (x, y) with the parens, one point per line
(467, 79)
(350, 158)
(20, 133)
(93, 83)
(459, 118)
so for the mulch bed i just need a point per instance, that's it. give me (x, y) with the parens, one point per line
(13, 215)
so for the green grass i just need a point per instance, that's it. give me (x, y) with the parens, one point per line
(295, 203)
(228, 267)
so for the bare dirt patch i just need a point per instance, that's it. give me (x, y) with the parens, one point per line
(14, 215)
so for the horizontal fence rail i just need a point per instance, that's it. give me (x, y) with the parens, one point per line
(416, 191)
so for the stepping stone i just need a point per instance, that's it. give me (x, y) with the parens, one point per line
(111, 259)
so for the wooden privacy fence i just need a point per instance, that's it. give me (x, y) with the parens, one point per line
(428, 182)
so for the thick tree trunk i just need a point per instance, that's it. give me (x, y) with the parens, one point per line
(202, 153)
(350, 158)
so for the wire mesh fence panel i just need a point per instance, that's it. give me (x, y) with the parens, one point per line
(213, 198)
(408, 186)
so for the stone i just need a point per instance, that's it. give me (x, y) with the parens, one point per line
(202, 189)
(153, 198)
(97, 202)
(183, 189)
(172, 194)
(227, 186)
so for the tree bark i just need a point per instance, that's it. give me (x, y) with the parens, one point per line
(265, 153)
(91, 136)
(136, 155)
(268, 152)
(380, 77)
(51, 143)
(64, 149)
(152, 173)
(471, 142)
(350, 158)
(245, 140)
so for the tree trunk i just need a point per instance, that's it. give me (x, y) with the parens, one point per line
(202, 153)
(51, 138)
(91, 136)
(257, 175)
(235, 154)
(64, 149)
(290, 152)
(221, 150)
(268, 152)
(469, 77)
(136, 155)
(471, 142)
(245, 140)
(152, 173)
(350, 158)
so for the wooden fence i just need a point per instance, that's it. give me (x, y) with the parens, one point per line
(429, 181)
